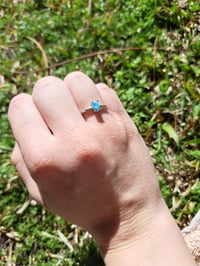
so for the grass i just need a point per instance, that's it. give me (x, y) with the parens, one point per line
(149, 51)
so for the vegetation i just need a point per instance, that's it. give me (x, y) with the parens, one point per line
(149, 51)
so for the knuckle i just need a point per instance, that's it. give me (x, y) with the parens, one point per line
(14, 159)
(17, 104)
(118, 134)
(102, 86)
(17, 101)
(38, 163)
(89, 153)
(17, 160)
(74, 75)
(44, 83)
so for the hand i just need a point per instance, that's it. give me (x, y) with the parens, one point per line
(91, 168)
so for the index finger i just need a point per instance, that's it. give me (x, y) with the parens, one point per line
(28, 126)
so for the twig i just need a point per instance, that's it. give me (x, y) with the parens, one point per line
(183, 195)
(23, 207)
(10, 252)
(154, 59)
(85, 56)
(89, 7)
(39, 46)
(65, 240)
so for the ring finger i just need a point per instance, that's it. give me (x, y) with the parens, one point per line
(86, 95)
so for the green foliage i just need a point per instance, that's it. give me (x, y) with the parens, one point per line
(166, 190)
(157, 80)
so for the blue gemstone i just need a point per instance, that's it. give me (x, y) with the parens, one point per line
(96, 106)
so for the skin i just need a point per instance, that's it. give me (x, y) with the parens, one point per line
(94, 170)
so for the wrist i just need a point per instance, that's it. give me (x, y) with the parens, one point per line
(152, 239)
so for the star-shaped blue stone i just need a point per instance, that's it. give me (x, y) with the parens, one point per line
(96, 106)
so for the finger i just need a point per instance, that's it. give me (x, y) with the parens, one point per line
(111, 98)
(84, 93)
(27, 123)
(115, 107)
(56, 105)
(18, 162)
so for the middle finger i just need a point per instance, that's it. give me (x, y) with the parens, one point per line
(56, 105)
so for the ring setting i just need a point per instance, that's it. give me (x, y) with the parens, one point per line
(95, 106)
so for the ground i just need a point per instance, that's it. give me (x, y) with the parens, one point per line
(149, 52)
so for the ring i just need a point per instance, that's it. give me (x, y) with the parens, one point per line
(95, 106)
